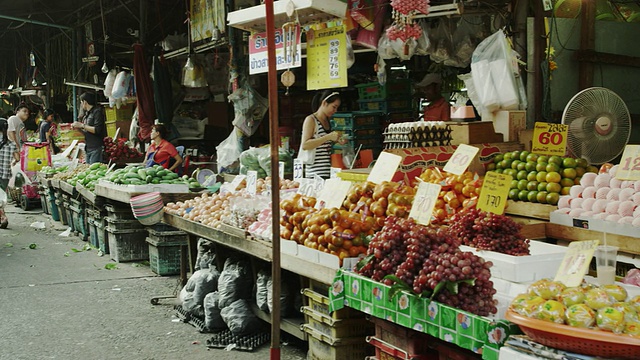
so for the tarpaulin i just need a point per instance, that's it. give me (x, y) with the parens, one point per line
(162, 92)
(144, 89)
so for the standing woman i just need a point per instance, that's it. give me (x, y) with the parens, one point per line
(48, 129)
(7, 148)
(317, 134)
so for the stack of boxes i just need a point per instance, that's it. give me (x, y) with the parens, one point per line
(361, 128)
(164, 249)
(119, 118)
(393, 99)
(126, 235)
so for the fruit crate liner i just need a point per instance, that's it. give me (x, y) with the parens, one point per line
(226, 339)
(192, 319)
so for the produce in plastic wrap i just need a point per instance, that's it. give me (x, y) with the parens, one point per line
(212, 318)
(552, 311)
(598, 298)
(206, 255)
(546, 289)
(527, 305)
(580, 315)
(610, 319)
(572, 296)
(629, 311)
(635, 302)
(239, 318)
(615, 291)
(632, 328)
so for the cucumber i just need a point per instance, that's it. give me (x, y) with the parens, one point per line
(94, 166)
(142, 173)
(132, 175)
(167, 177)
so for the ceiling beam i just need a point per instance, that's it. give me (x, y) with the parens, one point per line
(35, 22)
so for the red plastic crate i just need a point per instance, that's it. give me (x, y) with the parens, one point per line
(408, 340)
(386, 351)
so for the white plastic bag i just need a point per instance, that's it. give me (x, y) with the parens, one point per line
(108, 82)
(121, 85)
(229, 150)
(249, 108)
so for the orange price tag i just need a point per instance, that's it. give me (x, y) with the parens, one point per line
(549, 139)
(494, 192)
(629, 168)
(461, 158)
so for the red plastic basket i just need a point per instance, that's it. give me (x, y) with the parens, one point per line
(578, 340)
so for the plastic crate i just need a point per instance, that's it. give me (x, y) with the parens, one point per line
(359, 134)
(408, 340)
(371, 143)
(127, 245)
(103, 239)
(77, 217)
(123, 113)
(401, 116)
(164, 257)
(119, 224)
(61, 211)
(68, 213)
(356, 120)
(320, 304)
(124, 125)
(119, 212)
(392, 89)
(323, 347)
(53, 207)
(386, 351)
(385, 106)
(342, 328)
(93, 233)
(167, 235)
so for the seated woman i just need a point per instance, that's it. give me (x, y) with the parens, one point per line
(161, 151)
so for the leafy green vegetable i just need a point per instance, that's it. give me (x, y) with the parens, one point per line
(111, 266)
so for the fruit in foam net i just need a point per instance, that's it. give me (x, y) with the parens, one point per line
(527, 305)
(597, 298)
(546, 289)
(632, 327)
(580, 315)
(552, 311)
(627, 309)
(615, 291)
(610, 319)
(635, 302)
(572, 296)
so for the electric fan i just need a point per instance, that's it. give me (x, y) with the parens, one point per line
(599, 125)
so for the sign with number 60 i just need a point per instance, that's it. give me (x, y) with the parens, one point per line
(549, 139)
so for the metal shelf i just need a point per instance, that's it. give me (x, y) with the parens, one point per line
(306, 11)
(289, 325)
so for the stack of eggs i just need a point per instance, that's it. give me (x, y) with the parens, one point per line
(602, 196)
(148, 208)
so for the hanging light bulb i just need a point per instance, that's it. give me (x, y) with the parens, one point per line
(34, 82)
(32, 58)
(105, 68)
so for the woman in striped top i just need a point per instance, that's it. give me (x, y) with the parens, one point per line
(317, 134)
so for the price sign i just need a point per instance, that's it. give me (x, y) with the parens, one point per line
(424, 201)
(385, 167)
(549, 139)
(318, 183)
(252, 181)
(333, 193)
(307, 187)
(298, 169)
(334, 173)
(233, 185)
(494, 192)
(461, 159)
(629, 168)
(281, 169)
(576, 262)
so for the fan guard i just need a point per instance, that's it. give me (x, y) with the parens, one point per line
(599, 125)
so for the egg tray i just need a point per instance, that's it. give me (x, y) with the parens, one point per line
(192, 319)
(250, 342)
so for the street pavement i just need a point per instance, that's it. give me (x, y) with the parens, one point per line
(59, 301)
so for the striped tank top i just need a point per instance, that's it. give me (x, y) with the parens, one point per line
(322, 164)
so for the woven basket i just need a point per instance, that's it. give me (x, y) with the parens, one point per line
(14, 193)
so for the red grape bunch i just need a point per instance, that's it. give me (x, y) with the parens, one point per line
(488, 231)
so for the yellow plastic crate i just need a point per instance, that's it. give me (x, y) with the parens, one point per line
(323, 347)
(355, 176)
(124, 113)
(342, 328)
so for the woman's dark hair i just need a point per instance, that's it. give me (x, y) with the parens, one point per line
(328, 95)
(4, 125)
(89, 97)
(161, 129)
(48, 112)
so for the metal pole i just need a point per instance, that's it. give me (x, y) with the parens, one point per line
(35, 22)
(274, 139)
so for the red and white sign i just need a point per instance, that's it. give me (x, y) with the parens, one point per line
(258, 61)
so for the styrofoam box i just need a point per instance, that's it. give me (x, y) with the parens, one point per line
(595, 224)
(543, 262)
(161, 188)
(288, 247)
(507, 353)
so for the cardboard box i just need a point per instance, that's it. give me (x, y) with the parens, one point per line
(510, 123)
(473, 133)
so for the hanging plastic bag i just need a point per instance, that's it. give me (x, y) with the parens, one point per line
(249, 108)
(229, 150)
(441, 41)
(422, 47)
(109, 82)
(472, 93)
(351, 56)
(121, 85)
(385, 50)
(404, 49)
(463, 44)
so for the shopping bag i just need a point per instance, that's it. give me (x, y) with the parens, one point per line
(34, 156)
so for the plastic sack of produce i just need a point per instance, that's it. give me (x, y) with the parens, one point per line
(261, 290)
(206, 257)
(109, 82)
(249, 108)
(234, 282)
(202, 282)
(239, 317)
(34, 156)
(229, 149)
(285, 296)
(212, 318)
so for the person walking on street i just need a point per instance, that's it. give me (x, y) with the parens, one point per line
(7, 149)
(16, 131)
(94, 127)
(47, 129)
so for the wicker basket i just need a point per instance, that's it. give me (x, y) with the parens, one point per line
(578, 340)
(14, 193)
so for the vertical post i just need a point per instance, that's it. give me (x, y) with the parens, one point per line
(587, 42)
(74, 71)
(274, 139)
(539, 46)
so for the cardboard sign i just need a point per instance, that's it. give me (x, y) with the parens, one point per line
(629, 168)
(333, 193)
(549, 139)
(252, 181)
(576, 262)
(424, 202)
(385, 168)
(494, 192)
(461, 158)
(281, 169)
(327, 58)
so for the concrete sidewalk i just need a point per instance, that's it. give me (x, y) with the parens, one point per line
(61, 304)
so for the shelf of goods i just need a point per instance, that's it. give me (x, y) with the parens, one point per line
(124, 193)
(257, 248)
(479, 334)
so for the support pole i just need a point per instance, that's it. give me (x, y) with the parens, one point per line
(274, 140)
(587, 42)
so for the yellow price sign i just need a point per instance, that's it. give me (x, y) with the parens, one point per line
(549, 139)
(576, 262)
(494, 192)
(424, 202)
(629, 168)
(461, 158)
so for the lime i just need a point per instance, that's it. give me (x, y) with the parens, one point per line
(508, 156)
(555, 159)
(532, 176)
(522, 174)
(515, 154)
(522, 184)
(542, 176)
(553, 177)
(498, 158)
(532, 196)
(542, 186)
(523, 195)
(543, 159)
(592, 169)
(580, 171)
(514, 184)
(499, 171)
(565, 190)
(551, 167)
(530, 165)
(566, 182)
(569, 162)
(542, 197)
(582, 162)
(513, 194)
(506, 163)
(552, 198)
(553, 187)
(522, 166)
(532, 157)
(532, 186)
(569, 173)
(523, 155)
(576, 181)
(514, 164)
(490, 166)
(541, 166)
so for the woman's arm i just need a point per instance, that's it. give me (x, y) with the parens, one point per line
(308, 129)
(177, 163)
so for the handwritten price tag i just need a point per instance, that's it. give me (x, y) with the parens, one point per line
(252, 181)
(424, 201)
(298, 169)
(385, 167)
(575, 262)
(494, 192)
(461, 159)
(333, 193)
(307, 187)
(233, 185)
(281, 169)
(629, 168)
(549, 139)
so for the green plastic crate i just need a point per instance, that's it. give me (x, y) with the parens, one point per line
(392, 89)
(356, 120)
(164, 256)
